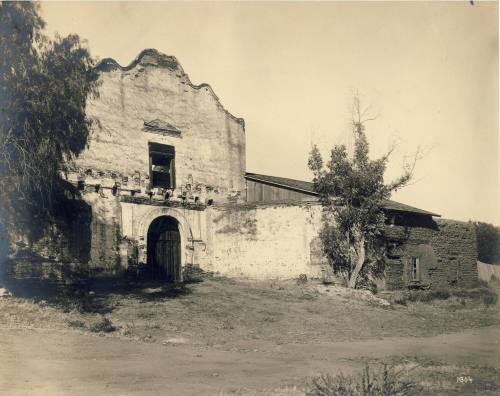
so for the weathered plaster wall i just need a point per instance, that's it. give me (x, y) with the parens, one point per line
(265, 241)
(210, 149)
(446, 250)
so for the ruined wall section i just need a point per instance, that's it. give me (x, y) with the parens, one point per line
(262, 241)
(446, 250)
(456, 249)
(209, 142)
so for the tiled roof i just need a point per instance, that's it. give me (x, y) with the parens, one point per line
(308, 188)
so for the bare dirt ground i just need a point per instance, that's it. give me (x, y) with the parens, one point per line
(222, 337)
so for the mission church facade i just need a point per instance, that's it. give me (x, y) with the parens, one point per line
(165, 178)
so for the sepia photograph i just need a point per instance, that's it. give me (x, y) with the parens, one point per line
(249, 198)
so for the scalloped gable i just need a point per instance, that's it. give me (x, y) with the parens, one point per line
(147, 57)
(153, 58)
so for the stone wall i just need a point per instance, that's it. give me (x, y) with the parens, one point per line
(446, 250)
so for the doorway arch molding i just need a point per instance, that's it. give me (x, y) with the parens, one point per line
(184, 230)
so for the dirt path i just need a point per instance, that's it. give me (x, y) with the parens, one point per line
(43, 362)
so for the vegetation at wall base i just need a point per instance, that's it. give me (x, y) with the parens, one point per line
(483, 294)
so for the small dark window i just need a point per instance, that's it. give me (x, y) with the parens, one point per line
(162, 165)
(415, 268)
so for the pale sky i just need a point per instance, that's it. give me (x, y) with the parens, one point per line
(428, 70)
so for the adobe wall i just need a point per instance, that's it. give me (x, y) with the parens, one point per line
(209, 142)
(260, 241)
(265, 240)
(281, 241)
(446, 250)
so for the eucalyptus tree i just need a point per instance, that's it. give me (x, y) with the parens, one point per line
(44, 86)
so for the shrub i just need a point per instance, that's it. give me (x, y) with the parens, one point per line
(419, 295)
(385, 382)
(194, 274)
(488, 296)
(104, 325)
(400, 298)
(441, 294)
(79, 324)
(485, 294)
(428, 295)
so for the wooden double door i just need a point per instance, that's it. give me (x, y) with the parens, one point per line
(164, 250)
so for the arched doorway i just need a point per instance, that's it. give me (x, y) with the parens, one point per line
(164, 249)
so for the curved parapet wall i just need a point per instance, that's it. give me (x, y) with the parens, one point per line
(151, 57)
(152, 100)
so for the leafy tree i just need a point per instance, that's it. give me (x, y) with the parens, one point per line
(351, 190)
(44, 86)
(488, 242)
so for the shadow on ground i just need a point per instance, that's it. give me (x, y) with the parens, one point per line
(100, 296)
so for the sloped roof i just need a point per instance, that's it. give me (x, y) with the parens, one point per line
(304, 186)
(308, 188)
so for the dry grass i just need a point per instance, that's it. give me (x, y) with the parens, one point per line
(219, 311)
(440, 378)
(383, 381)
